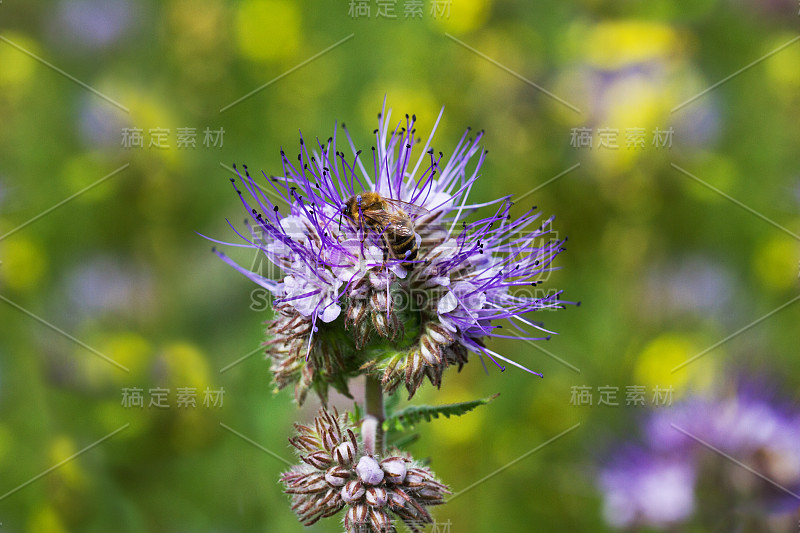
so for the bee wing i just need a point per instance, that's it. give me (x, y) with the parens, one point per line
(410, 209)
(379, 217)
(384, 219)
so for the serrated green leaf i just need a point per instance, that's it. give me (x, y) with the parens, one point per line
(413, 415)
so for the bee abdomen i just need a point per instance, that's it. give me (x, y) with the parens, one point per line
(408, 245)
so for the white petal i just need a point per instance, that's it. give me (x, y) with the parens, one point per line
(448, 303)
(330, 313)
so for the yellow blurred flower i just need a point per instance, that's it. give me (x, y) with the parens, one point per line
(45, 519)
(70, 472)
(24, 263)
(782, 68)
(182, 365)
(628, 76)
(129, 349)
(654, 366)
(82, 170)
(461, 16)
(616, 44)
(716, 170)
(268, 29)
(17, 67)
(402, 99)
(776, 262)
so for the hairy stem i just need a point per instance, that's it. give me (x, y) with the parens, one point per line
(373, 396)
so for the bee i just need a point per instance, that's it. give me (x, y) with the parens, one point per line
(390, 219)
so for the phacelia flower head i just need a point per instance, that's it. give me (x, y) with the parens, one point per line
(402, 283)
(689, 466)
(338, 474)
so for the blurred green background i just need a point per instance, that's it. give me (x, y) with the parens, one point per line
(665, 266)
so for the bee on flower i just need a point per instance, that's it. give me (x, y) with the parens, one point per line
(385, 271)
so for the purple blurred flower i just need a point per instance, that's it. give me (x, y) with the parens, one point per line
(682, 445)
(644, 488)
(108, 285)
(690, 285)
(408, 318)
(92, 23)
(99, 124)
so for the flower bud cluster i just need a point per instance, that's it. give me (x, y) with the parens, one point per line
(337, 475)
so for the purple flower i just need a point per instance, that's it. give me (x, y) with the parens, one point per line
(695, 441)
(645, 488)
(408, 315)
(93, 23)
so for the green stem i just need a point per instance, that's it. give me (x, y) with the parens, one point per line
(373, 396)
